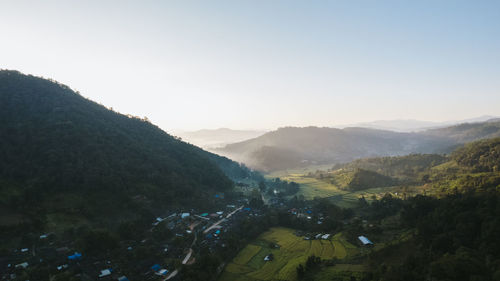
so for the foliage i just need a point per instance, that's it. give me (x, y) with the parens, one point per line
(481, 156)
(62, 153)
(364, 179)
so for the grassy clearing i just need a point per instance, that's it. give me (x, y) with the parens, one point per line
(311, 187)
(247, 254)
(293, 250)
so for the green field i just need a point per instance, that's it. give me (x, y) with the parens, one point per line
(311, 187)
(293, 250)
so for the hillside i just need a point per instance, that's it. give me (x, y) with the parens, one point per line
(312, 145)
(293, 147)
(468, 132)
(410, 125)
(62, 153)
(473, 166)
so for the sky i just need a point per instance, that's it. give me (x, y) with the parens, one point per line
(264, 64)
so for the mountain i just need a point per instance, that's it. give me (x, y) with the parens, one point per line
(408, 125)
(210, 139)
(294, 147)
(467, 132)
(61, 153)
(411, 125)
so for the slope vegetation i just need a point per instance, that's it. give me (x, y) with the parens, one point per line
(62, 153)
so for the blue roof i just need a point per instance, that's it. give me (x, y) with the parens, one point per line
(365, 240)
(204, 214)
(247, 209)
(309, 211)
(75, 256)
(216, 195)
(217, 232)
(156, 267)
(209, 235)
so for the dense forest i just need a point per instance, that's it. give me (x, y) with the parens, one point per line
(62, 153)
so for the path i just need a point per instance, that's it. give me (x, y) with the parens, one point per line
(222, 220)
(188, 256)
(171, 275)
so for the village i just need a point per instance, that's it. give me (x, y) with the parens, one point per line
(187, 230)
(171, 243)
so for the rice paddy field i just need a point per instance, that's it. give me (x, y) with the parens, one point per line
(291, 251)
(311, 187)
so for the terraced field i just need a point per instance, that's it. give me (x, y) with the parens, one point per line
(293, 250)
(311, 187)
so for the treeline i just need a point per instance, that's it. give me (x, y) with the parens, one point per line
(456, 238)
(481, 156)
(363, 179)
(66, 153)
(282, 187)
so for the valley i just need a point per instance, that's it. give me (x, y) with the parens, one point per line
(74, 209)
(249, 140)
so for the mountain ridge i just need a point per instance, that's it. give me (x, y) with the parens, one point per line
(63, 153)
(292, 147)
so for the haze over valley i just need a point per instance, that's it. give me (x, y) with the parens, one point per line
(249, 140)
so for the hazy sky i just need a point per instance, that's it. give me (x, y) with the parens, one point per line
(263, 64)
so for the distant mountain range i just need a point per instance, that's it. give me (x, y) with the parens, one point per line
(293, 147)
(411, 125)
(218, 138)
(210, 139)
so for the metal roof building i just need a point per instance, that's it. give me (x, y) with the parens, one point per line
(365, 240)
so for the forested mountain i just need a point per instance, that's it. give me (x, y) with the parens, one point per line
(60, 152)
(468, 132)
(293, 147)
(472, 167)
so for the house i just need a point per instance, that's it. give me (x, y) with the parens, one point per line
(75, 256)
(123, 278)
(105, 272)
(156, 267)
(61, 267)
(23, 265)
(269, 257)
(185, 215)
(161, 272)
(318, 236)
(24, 250)
(325, 237)
(365, 240)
